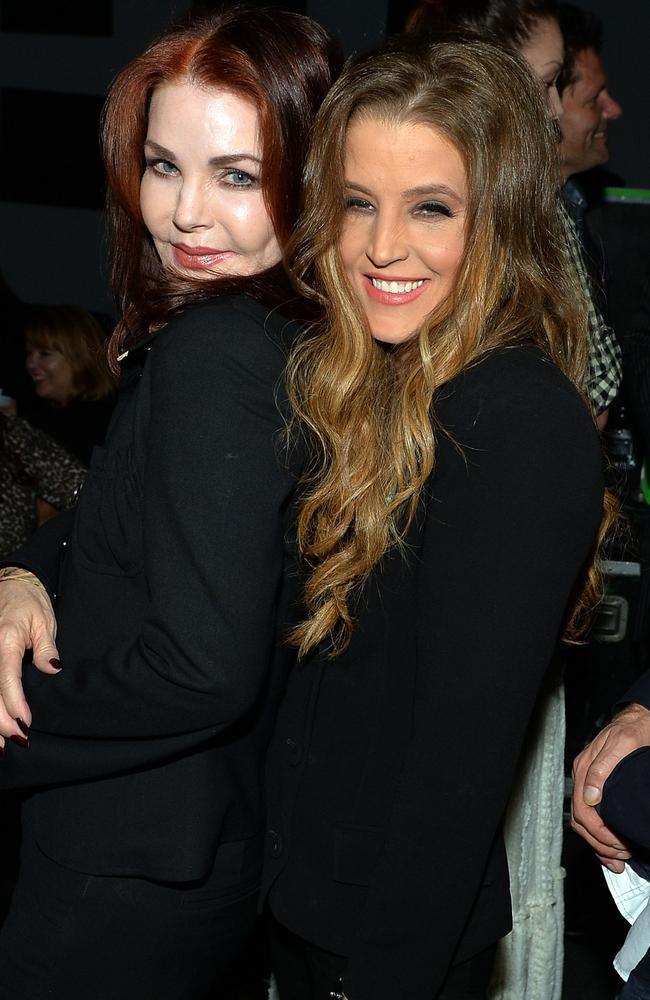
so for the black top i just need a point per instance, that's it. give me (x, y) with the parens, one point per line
(391, 766)
(78, 427)
(167, 608)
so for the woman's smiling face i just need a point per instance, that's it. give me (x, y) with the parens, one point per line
(201, 196)
(403, 234)
(51, 373)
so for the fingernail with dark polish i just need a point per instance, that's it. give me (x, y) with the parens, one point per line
(2, 751)
(24, 728)
(20, 741)
(56, 663)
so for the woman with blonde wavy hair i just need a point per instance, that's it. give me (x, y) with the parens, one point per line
(448, 526)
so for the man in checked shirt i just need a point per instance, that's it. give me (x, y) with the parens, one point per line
(587, 109)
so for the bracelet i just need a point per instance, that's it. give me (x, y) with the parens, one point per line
(337, 993)
(16, 573)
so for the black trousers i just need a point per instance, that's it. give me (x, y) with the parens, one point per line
(305, 972)
(73, 936)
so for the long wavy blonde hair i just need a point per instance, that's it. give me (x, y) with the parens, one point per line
(371, 410)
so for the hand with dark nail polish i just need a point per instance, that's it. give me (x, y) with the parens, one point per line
(24, 728)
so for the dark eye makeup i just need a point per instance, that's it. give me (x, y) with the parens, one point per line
(431, 208)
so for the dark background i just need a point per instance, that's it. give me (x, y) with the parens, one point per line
(57, 59)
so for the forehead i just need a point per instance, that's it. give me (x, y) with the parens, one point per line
(589, 70)
(407, 153)
(42, 342)
(201, 115)
(544, 46)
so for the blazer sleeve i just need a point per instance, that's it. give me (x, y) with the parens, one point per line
(215, 490)
(508, 526)
(43, 552)
(639, 693)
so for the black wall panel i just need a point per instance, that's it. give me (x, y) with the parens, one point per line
(51, 148)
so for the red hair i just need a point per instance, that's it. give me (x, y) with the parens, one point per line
(284, 64)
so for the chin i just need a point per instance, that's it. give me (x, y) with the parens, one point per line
(392, 336)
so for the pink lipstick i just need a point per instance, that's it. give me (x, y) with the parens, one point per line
(396, 294)
(199, 258)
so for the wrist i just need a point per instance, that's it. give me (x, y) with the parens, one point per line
(8, 573)
(633, 710)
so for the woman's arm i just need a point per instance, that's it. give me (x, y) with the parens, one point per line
(27, 619)
(26, 622)
(505, 537)
(213, 505)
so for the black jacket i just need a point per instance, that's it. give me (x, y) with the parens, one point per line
(391, 766)
(168, 604)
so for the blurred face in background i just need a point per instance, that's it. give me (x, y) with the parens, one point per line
(588, 109)
(51, 373)
(544, 53)
(403, 232)
(201, 196)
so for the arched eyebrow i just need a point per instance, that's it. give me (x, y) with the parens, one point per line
(423, 191)
(428, 189)
(216, 161)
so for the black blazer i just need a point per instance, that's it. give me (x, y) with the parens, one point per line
(152, 737)
(639, 693)
(391, 766)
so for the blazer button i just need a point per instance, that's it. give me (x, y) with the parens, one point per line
(275, 843)
(294, 751)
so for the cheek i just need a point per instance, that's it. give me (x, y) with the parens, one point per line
(444, 257)
(248, 221)
(351, 243)
(59, 370)
(152, 203)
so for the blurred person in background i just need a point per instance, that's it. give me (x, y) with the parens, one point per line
(587, 110)
(74, 388)
(587, 105)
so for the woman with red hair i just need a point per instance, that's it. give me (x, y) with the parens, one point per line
(142, 849)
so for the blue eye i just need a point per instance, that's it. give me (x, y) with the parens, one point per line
(239, 178)
(162, 167)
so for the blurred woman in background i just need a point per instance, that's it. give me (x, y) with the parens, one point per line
(75, 390)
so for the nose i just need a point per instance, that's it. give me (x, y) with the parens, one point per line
(611, 109)
(387, 242)
(192, 207)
